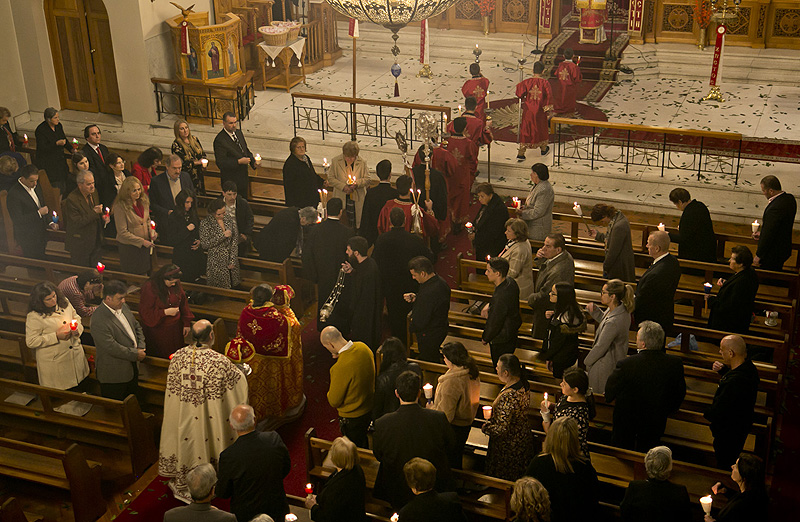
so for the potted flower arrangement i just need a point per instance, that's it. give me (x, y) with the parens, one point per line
(486, 7)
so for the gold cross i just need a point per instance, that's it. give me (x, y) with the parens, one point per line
(254, 326)
(535, 93)
(457, 155)
(563, 75)
(478, 92)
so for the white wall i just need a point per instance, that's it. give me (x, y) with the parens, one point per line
(12, 83)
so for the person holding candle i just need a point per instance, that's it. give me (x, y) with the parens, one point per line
(349, 178)
(51, 142)
(164, 312)
(375, 200)
(286, 233)
(84, 220)
(576, 401)
(656, 499)
(508, 428)
(530, 501)
(611, 334)
(164, 188)
(115, 175)
(233, 156)
(188, 148)
(775, 237)
(502, 312)
(239, 209)
(695, 236)
(342, 498)
(537, 100)
(488, 237)
(82, 290)
(732, 307)
(751, 503)
(619, 261)
(29, 215)
(477, 88)
(429, 313)
(145, 167)
(394, 361)
(134, 234)
(408, 202)
(564, 324)
(60, 361)
(218, 237)
(519, 256)
(301, 183)
(538, 209)
(183, 227)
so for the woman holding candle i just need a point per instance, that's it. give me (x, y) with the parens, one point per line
(80, 163)
(51, 142)
(394, 361)
(183, 227)
(187, 147)
(564, 323)
(732, 307)
(576, 401)
(458, 395)
(342, 498)
(751, 502)
(530, 501)
(508, 428)
(164, 312)
(218, 237)
(145, 167)
(519, 255)
(611, 334)
(301, 184)
(619, 261)
(132, 220)
(490, 223)
(53, 330)
(349, 178)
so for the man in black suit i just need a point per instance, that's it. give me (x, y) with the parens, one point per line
(431, 305)
(165, 187)
(655, 292)
(28, 212)
(428, 505)
(284, 233)
(648, 387)
(502, 313)
(732, 308)
(201, 481)
(252, 469)
(364, 297)
(656, 499)
(375, 199)
(323, 255)
(238, 207)
(393, 250)
(411, 431)
(775, 237)
(96, 153)
(232, 155)
(731, 411)
(695, 236)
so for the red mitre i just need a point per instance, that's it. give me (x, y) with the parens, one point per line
(239, 350)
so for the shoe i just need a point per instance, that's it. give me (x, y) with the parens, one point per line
(546, 150)
(521, 158)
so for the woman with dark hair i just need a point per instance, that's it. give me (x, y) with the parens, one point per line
(80, 163)
(394, 361)
(519, 255)
(164, 312)
(568, 476)
(115, 175)
(732, 307)
(60, 361)
(458, 394)
(145, 167)
(300, 180)
(490, 224)
(751, 502)
(219, 238)
(188, 148)
(508, 428)
(565, 322)
(183, 233)
(51, 142)
(619, 261)
(576, 401)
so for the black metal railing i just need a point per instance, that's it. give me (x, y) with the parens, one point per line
(190, 100)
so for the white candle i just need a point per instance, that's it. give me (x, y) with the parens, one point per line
(459, 109)
(258, 158)
(706, 503)
(487, 412)
(25, 138)
(754, 225)
(577, 209)
(428, 390)
(395, 517)
(291, 517)
(545, 396)
(661, 227)
(204, 162)
(522, 49)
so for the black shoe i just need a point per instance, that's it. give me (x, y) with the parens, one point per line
(546, 150)
(520, 158)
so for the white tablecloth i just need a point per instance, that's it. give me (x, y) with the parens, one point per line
(274, 50)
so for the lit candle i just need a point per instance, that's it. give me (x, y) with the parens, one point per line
(152, 224)
(309, 488)
(73, 325)
(25, 139)
(707, 287)
(100, 267)
(661, 227)
(754, 225)
(487, 412)
(74, 142)
(204, 162)
(55, 217)
(476, 46)
(395, 517)
(258, 157)
(488, 257)
(515, 201)
(577, 209)
(706, 503)
(469, 226)
(291, 517)
(325, 163)
(106, 212)
(459, 109)
(428, 390)
(445, 118)
(545, 396)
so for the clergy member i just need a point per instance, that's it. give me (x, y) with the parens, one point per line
(569, 77)
(537, 100)
(418, 219)
(465, 152)
(363, 287)
(477, 128)
(477, 87)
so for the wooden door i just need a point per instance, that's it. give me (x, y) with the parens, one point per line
(83, 57)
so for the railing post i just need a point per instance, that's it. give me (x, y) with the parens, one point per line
(158, 102)
(593, 143)
(663, 154)
(411, 128)
(353, 130)
(294, 117)
(738, 162)
(627, 152)
(558, 149)
(380, 122)
(322, 120)
(700, 159)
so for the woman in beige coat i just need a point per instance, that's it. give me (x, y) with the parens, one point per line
(458, 395)
(134, 232)
(60, 361)
(611, 335)
(349, 176)
(519, 255)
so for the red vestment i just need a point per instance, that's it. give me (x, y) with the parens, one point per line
(477, 88)
(569, 77)
(430, 227)
(475, 129)
(537, 98)
(442, 161)
(465, 152)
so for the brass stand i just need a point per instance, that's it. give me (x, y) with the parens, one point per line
(425, 72)
(714, 94)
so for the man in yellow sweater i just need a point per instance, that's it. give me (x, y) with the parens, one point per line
(352, 384)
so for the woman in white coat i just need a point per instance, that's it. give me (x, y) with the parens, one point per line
(519, 255)
(611, 335)
(60, 361)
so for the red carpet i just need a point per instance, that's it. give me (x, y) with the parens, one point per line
(505, 115)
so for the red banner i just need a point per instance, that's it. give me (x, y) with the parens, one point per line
(185, 38)
(717, 63)
(423, 42)
(352, 30)
(635, 16)
(545, 13)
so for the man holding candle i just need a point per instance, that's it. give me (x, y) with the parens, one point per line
(84, 219)
(655, 292)
(28, 212)
(538, 209)
(165, 187)
(431, 305)
(775, 238)
(555, 265)
(232, 155)
(732, 308)
(695, 235)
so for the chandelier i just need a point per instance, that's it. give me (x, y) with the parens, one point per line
(392, 14)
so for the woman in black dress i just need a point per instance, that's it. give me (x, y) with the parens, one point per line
(576, 401)
(51, 143)
(751, 503)
(342, 498)
(300, 180)
(183, 233)
(565, 323)
(191, 152)
(394, 362)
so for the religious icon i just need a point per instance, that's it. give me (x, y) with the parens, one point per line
(213, 53)
(193, 71)
(232, 66)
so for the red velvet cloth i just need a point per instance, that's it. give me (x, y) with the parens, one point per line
(266, 329)
(537, 97)
(477, 87)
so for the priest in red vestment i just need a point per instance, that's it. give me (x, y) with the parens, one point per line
(569, 77)
(537, 101)
(477, 87)
(429, 227)
(465, 152)
(477, 130)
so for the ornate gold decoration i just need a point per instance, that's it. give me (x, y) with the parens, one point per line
(515, 11)
(714, 94)
(425, 72)
(787, 22)
(677, 18)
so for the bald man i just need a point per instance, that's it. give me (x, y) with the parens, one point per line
(655, 291)
(731, 412)
(252, 469)
(352, 384)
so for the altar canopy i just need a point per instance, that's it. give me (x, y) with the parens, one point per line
(593, 16)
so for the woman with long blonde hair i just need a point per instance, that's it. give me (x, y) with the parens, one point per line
(188, 148)
(131, 211)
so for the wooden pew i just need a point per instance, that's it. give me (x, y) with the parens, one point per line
(68, 470)
(11, 511)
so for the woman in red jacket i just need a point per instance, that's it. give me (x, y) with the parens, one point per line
(165, 312)
(145, 167)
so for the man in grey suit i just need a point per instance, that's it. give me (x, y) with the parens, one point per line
(201, 481)
(538, 209)
(120, 343)
(555, 266)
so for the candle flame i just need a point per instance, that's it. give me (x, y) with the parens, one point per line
(545, 395)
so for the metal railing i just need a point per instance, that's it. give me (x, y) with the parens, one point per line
(639, 145)
(192, 100)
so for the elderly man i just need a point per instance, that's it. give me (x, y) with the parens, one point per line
(84, 220)
(252, 469)
(731, 411)
(165, 187)
(555, 266)
(647, 387)
(775, 236)
(80, 290)
(201, 482)
(538, 209)
(201, 386)
(656, 499)
(352, 384)
(232, 155)
(284, 234)
(655, 292)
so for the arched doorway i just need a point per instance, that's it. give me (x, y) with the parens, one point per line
(83, 56)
